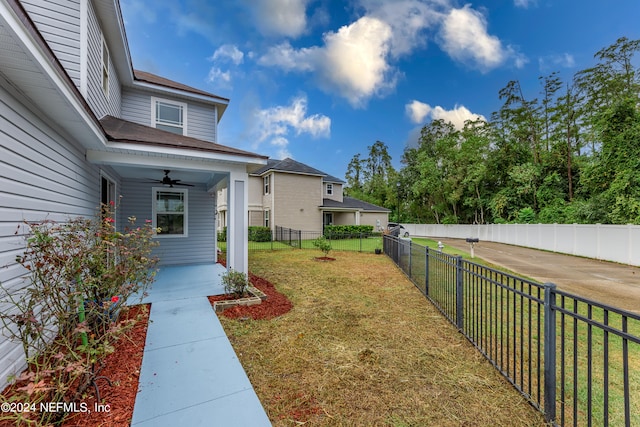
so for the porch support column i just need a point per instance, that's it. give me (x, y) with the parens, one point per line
(237, 230)
(357, 217)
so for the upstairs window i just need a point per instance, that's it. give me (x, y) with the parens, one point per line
(105, 68)
(169, 115)
(329, 189)
(170, 212)
(267, 184)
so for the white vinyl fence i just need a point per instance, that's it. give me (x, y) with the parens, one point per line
(617, 243)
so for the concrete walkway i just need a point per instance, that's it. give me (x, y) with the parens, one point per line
(190, 375)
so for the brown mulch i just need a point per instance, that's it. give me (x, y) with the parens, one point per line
(275, 305)
(123, 366)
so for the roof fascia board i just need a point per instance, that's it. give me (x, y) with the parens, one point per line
(139, 152)
(289, 172)
(182, 93)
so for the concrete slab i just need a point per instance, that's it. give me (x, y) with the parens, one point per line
(183, 281)
(190, 374)
(169, 320)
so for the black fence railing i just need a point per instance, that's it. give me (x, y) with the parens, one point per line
(575, 360)
(283, 238)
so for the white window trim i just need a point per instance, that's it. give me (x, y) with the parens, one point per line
(329, 189)
(108, 177)
(266, 184)
(104, 71)
(267, 219)
(154, 122)
(154, 193)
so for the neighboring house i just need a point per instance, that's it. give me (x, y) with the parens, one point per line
(291, 194)
(78, 126)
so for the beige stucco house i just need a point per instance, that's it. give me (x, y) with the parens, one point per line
(291, 194)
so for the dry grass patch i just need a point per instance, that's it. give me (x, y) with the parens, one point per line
(362, 346)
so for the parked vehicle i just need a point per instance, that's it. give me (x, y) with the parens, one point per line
(397, 230)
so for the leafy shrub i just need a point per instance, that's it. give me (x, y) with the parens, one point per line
(79, 273)
(235, 283)
(222, 235)
(526, 216)
(259, 234)
(323, 244)
(335, 232)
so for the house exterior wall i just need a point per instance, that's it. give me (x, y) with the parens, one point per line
(337, 192)
(344, 218)
(44, 177)
(297, 198)
(59, 23)
(201, 118)
(100, 103)
(377, 219)
(198, 246)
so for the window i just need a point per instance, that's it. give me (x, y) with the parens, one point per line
(105, 68)
(169, 116)
(170, 212)
(329, 189)
(266, 218)
(267, 183)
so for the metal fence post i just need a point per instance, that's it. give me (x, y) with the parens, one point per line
(426, 270)
(410, 258)
(459, 293)
(549, 352)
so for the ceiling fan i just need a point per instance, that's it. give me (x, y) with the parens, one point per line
(166, 180)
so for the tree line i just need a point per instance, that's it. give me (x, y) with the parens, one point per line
(569, 155)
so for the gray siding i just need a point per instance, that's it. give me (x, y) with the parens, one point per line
(42, 176)
(201, 118)
(59, 23)
(198, 247)
(99, 103)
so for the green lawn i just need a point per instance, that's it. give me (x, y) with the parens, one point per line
(368, 244)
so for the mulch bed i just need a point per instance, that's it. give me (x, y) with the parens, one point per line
(123, 366)
(275, 305)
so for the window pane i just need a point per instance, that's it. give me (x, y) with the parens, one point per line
(169, 113)
(170, 224)
(169, 202)
(172, 129)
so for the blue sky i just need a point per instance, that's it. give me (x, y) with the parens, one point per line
(320, 80)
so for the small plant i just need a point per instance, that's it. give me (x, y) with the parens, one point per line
(323, 244)
(235, 283)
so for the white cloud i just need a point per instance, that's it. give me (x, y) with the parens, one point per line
(524, 3)
(419, 111)
(220, 78)
(564, 60)
(408, 19)
(280, 17)
(228, 52)
(352, 63)
(274, 125)
(465, 38)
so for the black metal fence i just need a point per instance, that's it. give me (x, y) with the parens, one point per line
(283, 238)
(575, 360)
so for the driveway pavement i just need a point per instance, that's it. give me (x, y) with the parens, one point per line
(614, 284)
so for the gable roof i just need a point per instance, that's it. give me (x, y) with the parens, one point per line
(289, 165)
(352, 204)
(119, 130)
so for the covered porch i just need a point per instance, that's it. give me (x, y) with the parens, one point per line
(172, 181)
